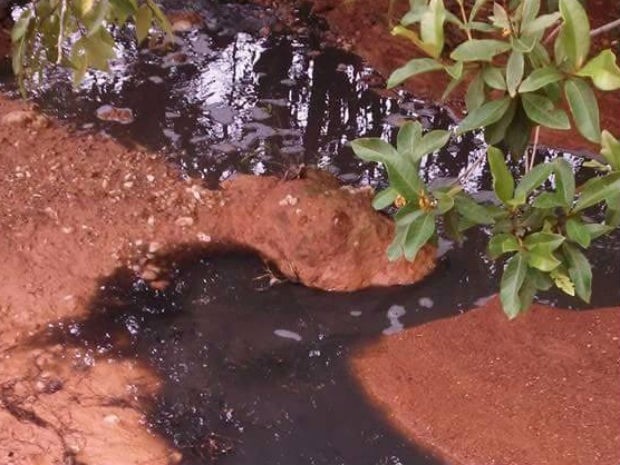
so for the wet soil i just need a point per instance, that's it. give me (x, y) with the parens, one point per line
(539, 390)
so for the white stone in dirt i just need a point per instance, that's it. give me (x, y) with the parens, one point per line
(355, 313)
(394, 313)
(287, 334)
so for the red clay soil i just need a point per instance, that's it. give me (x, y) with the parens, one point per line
(364, 24)
(477, 389)
(75, 207)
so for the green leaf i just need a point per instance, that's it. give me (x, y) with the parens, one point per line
(503, 182)
(579, 270)
(144, 18)
(612, 214)
(542, 111)
(598, 189)
(431, 26)
(543, 260)
(603, 70)
(610, 149)
(479, 50)
(476, 8)
(455, 70)
(494, 77)
(543, 241)
(575, 34)
(597, 230)
(584, 108)
(123, 9)
(445, 202)
(546, 200)
(540, 78)
(540, 24)
(395, 249)
(418, 234)
(502, 243)
(577, 232)
(564, 181)
(401, 171)
(475, 93)
(412, 68)
(384, 199)
(514, 72)
(471, 210)
(532, 180)
(496, 132)
(563, 281)
(408, 138)
(434, 140)
(487, 114)
(512, 281)
(160, 17)
(21, 25)
(530, 10)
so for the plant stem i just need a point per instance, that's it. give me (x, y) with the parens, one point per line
(535, 147)
(467, 31)
(605, 28)
(63, 10)
(552, 34)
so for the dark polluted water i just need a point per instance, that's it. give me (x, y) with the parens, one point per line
(256, 374)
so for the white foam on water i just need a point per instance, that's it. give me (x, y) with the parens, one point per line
(394, 313)
(286, 334)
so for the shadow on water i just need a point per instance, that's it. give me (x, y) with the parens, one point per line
(258, 375)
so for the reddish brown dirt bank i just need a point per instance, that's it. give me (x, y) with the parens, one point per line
(76, 207)
(477, 389)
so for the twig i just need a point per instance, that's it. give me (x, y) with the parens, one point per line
(552, 34)
(63, 10)
(605, 28)
(534, 148)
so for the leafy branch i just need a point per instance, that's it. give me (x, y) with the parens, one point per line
(515, 85)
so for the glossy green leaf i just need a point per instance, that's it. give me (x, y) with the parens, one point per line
(532, 180)
(430, 142)
(540, 78)
(502, 243)
(487, 114)
(575, 34)
(472, 210)
(512, 280)
(503, 182)
(548, 200)
(496, 133)
(401, 171)
(445, 202)
(529, 11)
(431, 26)
(577, 232)
(579, 270)
(542, 111)
(543, 260)
(494, 77)
(479, 50)
(584, 108)
(408, 138)
(564, 181)
(514, 72)
(540, 24)
(610, 149)
(144, 18)
(419, 233)
(474, 97)
(412, 68)
(395, 249)
(476, 8)
(598, 189)
(543, 241)
(603, 70)
(21, 25)
(597, 230)
(384, 199)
